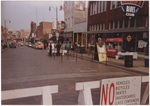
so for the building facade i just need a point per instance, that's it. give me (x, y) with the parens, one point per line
(106, 19)
(68, 18)
(43, 30)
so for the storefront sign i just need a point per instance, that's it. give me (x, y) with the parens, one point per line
(121, 91)
(130, 8)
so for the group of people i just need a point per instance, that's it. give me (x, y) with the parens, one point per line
(57, 47)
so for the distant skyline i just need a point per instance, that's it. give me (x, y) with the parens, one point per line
(21, 13)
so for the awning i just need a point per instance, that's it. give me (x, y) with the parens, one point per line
(114, 40)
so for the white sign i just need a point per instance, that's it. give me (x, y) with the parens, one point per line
(130, 14)
(130, 9)
(121, 91)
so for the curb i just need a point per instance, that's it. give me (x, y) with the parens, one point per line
(106, 63)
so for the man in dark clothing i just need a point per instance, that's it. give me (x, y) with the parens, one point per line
(50, 49)
(58, 46)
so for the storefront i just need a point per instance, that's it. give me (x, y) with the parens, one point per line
(80, 42)
(68, 36)
(113, 45)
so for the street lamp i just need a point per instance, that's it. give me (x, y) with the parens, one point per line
(56, 9)
(5, 30)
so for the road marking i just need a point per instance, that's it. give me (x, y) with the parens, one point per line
(60, 76)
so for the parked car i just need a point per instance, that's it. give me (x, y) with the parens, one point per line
(39, 45)
(12, 45)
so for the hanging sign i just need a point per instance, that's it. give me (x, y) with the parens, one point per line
(130, 8)
(121, 91)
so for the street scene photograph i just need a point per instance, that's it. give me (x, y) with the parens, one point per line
(75, 52)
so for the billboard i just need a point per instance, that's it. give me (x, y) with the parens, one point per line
(79, 11)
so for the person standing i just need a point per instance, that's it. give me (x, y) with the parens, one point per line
(58, 46)
(89, 48)
(50, 49)
(68, 47)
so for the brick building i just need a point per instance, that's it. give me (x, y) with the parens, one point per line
(106, 19)
(43, 30)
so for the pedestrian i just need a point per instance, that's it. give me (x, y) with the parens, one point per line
(89, 48)
(53, 48)
(68, 47)
(58, 46)
(50, 49)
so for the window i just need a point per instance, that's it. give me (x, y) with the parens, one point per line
(118, 3)
(147, 21)
(103, 26)
(105, 6)
(120, 23)
(126, 23)
(97, 26)
(91, 9)
(116, 24)
(100, 26)
(109, 25)
(101, 6)
(94, 27)
(95, 6)
(113, 4)
(132, 22)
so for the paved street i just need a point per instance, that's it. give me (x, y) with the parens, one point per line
(27, 67)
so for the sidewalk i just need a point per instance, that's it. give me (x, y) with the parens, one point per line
(138, 65)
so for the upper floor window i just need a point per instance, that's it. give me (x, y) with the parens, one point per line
(114, 4)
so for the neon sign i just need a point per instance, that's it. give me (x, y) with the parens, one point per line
(130, 8)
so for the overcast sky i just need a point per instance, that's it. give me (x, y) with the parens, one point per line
(21, 13)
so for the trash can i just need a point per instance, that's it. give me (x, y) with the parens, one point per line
(146, 61)
(128, 61)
